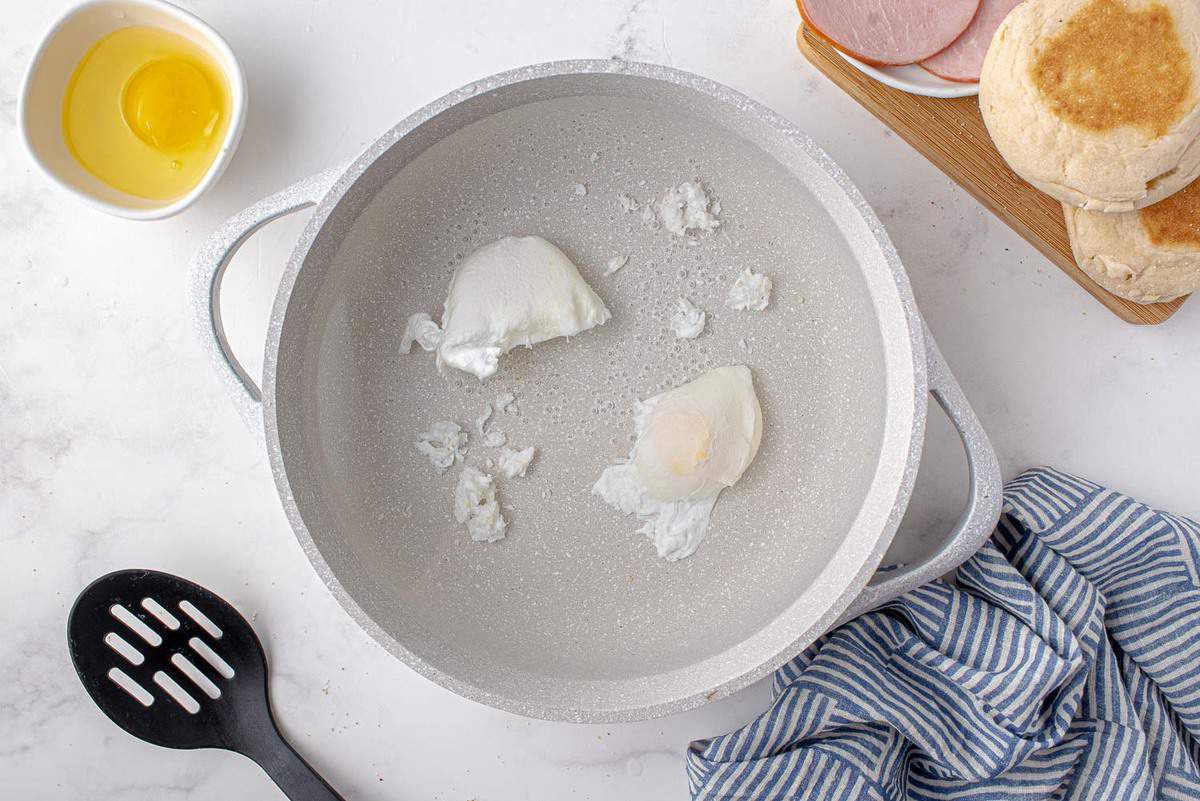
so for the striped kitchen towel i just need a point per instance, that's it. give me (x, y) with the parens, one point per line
(1065, 665)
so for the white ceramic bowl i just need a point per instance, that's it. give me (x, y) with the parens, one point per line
(44, 88)
(914, 79)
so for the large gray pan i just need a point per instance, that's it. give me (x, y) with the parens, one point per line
(572, 617)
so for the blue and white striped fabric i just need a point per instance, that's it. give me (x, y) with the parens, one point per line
(1065, 665)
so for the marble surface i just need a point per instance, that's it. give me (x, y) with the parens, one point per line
(118, 448)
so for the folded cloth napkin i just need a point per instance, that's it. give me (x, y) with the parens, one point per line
(1064, 665)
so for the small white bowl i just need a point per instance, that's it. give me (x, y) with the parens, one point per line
(913, 79)
(45, 85)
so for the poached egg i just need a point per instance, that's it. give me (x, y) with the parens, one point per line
(692, 442)
(518, 290)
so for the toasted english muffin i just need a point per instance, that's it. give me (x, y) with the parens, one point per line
(1148, 255)
(1097, 102)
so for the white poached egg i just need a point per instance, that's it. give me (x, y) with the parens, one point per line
(692, 442)
(518, 290)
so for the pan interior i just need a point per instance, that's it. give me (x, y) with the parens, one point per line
(573, 608)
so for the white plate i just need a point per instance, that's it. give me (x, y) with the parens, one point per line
(914, 79)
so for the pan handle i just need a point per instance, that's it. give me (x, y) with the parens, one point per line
(208, 272)
(978, 520)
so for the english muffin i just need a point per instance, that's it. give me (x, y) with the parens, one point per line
(1095, 102)
(1148, 255)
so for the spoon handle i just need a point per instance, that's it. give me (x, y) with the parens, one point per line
(295, 777)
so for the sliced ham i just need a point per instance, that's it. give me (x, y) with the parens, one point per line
(963, 60)
(885, 32)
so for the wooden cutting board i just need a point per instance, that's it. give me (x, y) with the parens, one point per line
(951, 134)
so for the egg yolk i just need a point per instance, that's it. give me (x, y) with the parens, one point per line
(146, 112)
(169, 104)
(682, 440)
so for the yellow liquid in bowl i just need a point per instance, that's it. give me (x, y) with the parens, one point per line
(146, 111)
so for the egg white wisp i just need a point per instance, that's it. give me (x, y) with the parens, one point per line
(692, 442)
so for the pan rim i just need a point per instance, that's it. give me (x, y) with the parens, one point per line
(902, 471)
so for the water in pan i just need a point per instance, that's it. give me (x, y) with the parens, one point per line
(573, 592)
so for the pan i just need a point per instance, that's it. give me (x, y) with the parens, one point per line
(572, 616)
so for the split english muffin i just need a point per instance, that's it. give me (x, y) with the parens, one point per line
(1095, 102)
(1149, 255)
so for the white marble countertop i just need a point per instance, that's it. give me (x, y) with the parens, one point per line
(118, 448)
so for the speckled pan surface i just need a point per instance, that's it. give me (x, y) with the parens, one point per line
(572, 616)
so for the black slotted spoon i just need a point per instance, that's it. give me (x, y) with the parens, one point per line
(172, 663)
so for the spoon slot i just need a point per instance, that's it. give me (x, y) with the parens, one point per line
(119, 644)
(162, 613)
(211, 657)
(201, 619)
(123, 680)
(177, 693)
(187, 668)
(135, 625)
